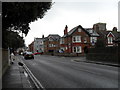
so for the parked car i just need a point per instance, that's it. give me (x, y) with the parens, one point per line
(28, 55)
(38, 53)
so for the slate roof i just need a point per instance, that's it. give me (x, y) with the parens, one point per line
(116, 34)
(70, 32)
(54, 37)
(102, 33)
(87, 30)
(118, 38)
(93, 33)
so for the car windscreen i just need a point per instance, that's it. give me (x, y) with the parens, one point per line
(29, 53)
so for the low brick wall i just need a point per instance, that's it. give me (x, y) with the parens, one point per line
(65, 54)
(68, 54)
(106, 54)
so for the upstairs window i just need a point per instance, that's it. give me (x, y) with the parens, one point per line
(76, 38)
(41, 42)
(50, 38)
(110, 40)
(50, 45)
(79, 30)
(62, 41)
(93, 39)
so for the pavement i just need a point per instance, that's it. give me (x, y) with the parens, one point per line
(83, 59)
(15, 78)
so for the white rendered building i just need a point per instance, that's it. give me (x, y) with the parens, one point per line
(38, 45)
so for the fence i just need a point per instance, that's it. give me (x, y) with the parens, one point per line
(107, 54)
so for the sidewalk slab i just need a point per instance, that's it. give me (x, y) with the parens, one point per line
(14, 78)
(103, 63)
(96, 62)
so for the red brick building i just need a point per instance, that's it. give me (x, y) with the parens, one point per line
(77, 39)
(107, 36)
(112, 36)
(51, 43)
(31, 47)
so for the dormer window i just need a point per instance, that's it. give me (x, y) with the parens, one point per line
(79, 29)
(50, 39)
(110, 40)
(90, 31)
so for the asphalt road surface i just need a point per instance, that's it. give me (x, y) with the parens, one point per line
(64, 72)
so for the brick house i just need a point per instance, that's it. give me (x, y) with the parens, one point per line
(31, 47)
(77, 39)
(111, 36)
(51, 43)
(107, 36)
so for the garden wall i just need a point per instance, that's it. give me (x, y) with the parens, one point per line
(106, 54)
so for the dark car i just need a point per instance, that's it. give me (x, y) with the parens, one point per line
(28, 55)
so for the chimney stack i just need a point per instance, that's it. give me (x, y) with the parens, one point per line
(114, 29)
(66, 30)
(42, 36)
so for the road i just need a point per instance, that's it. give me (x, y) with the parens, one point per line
(64, 72)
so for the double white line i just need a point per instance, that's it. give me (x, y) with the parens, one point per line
(36, 82)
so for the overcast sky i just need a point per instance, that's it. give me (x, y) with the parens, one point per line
(73, 13)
